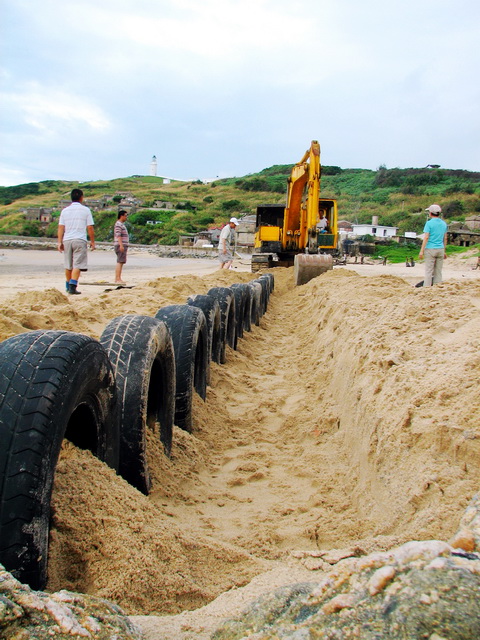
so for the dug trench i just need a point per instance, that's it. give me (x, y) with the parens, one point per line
(347, 422)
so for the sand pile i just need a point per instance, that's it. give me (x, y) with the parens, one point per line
(51, 309)
(350, 419)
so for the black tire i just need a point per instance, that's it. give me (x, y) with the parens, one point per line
(239, 296)
(188, 328)
(271, 277)
(265, 282)
(257, 301)
(141, 351)
(244, 315)
(211, 311)
(53, 385)
(226, 300)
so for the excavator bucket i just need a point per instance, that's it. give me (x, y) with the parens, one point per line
(307, 266)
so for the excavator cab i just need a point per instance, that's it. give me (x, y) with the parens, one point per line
(327, 240)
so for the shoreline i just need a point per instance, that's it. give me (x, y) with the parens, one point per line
(33, 269)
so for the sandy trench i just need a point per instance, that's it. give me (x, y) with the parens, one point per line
(348, 420)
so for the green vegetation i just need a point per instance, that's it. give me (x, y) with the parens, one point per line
(453, 250)
(397, 253)
(397, 196)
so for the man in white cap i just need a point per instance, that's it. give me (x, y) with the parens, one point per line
(224, 244)
(433, 245)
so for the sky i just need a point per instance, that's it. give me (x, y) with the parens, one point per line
(92, 89)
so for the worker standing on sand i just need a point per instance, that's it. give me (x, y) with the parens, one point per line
(433, 245)
(75, 222)
(225, 254)
(120, 239)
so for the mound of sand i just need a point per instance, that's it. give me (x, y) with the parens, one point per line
(347, 422)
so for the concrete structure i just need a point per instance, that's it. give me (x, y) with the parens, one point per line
(163, 204)
(94, 205)
(246, 231)
(462, 236)
(39, 214)
(473, 223)
(344, 226)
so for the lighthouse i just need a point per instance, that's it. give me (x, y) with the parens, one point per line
(153, 166)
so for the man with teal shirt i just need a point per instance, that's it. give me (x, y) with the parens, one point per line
(433, 245)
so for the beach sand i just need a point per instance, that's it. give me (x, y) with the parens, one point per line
(347, 422)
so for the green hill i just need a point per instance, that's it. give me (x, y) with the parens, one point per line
(397, 196)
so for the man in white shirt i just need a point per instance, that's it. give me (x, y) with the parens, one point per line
(75, 222)
(322, 224)
(224, 247)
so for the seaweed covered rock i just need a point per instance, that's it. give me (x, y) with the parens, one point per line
(426, 589)
(25, 613)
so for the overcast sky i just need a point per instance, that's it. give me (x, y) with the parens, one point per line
(92, 89)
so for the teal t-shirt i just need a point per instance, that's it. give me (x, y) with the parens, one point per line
(437, 228)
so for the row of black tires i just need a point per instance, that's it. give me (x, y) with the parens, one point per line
(103, 395)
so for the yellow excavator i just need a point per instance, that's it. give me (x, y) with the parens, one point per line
(303, 233)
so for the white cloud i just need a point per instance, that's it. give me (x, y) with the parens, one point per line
(52, 111)
(211, 29)
(10, 177)
(244, 83)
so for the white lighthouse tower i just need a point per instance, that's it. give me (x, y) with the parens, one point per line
(153, 166)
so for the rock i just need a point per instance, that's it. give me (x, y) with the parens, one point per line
(470, 522)
(418, 590)
(26, 614)
(463, 539)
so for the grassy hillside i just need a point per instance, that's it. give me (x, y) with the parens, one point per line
(397, 196)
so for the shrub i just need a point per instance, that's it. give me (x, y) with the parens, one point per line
(453, 208)
(231, 205)
(32, 228)
(331, 171)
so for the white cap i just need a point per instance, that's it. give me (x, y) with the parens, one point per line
(235, 221)
(434, 209)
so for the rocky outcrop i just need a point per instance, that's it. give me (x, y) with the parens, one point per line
(426, 589)
(26, 614)
(418, 590)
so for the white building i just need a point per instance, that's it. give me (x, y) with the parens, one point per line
(374, 229)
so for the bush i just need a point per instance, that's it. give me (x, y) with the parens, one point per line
(203, 220)
(231, 205)
(141, 217)
(255, 184)
(453, 209)
(331, 171)
(32, 229)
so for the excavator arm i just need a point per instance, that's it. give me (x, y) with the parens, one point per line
(303, 192)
